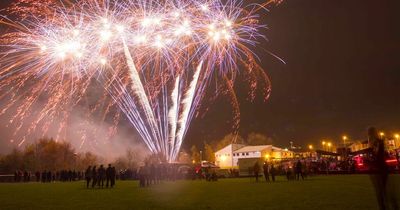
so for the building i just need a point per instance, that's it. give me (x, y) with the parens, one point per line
(358, 145)
(228, 157)
(224, 156)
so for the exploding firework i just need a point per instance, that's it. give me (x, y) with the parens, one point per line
(154, 61)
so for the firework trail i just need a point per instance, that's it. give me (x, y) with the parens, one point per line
(154, 61)
(186, 108)
(173, 116)
(143, 100)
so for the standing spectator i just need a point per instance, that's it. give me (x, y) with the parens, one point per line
(142, 179)
(152, 173)
(380, 171)
(25, 176)
(20, 175)
(44, 174)
(298, 170)
(256, 170)
(108, 175)
(48, 176)
(207, 173)
(37, 175)
(88, 176)
(113, 176)
(266, 171)
(288, 173)
(102, 175)
(273, 172)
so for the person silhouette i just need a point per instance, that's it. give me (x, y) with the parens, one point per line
(113, 176)
(379, 170)
(94, 176)
(102, 175)
(273, 172)
(266, 171)
(299, 170)
(88, 176)
(108, 175)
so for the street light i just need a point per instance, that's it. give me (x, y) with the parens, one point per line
(323, 145)
(344, 140)
(310, 147)
(382, 134)
(344, 145)
(329, 146)
(266, 156)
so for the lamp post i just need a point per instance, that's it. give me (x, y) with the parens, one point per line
(344, 145)
(323, 145)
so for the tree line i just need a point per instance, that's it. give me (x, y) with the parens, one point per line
(46, 154)
(51, 155)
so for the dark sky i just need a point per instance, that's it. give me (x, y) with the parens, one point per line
(342, 74)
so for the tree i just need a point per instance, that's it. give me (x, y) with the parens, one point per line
(184, 157)
(12, 162)
(258, 139)
(29, 160)
(133, 157)
(120, 163)
(209, 152)
(195, 154)
(54, 155)
(85, 160)
(228, 139)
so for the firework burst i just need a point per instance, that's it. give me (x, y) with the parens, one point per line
(153, 59)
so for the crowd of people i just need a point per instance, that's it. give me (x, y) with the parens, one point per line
(97, 176)
(48, 176)
(153, 173)
(270, 171)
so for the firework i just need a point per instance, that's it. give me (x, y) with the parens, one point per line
(154, 60)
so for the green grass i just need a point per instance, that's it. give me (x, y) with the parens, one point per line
(321, 192)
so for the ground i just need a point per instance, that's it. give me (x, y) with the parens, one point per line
(319, 192)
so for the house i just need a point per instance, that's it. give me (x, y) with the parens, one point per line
(228, 157)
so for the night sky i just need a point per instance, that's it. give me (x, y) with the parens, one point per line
(342, 74)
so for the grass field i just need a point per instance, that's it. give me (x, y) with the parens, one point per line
(320, 192)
